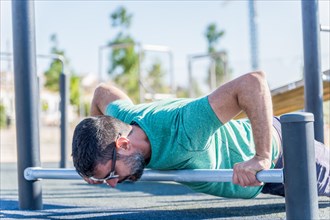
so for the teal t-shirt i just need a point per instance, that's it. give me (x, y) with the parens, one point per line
(186, 134)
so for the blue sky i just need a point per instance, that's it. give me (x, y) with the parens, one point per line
(83, 26)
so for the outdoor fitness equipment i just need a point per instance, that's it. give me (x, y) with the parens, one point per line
(297, 129)
(299, 171)
(221, 175)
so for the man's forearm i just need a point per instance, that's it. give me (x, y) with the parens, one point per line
(257, 104)
(262, 133)
(251, 94)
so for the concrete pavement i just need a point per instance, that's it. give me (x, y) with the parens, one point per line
(74, 199)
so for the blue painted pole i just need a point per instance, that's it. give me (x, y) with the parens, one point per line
(312, 65)
(64, 92)
(300, 183)
(253, 35)
(26, 101)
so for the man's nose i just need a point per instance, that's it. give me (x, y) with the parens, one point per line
(112, 182)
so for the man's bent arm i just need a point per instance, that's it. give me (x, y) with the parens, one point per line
(251, 94)
(103, 96)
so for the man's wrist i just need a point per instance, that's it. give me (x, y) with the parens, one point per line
(263, 156)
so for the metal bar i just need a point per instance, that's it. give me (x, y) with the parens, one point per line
(172, 75)
(300, 171)
(312, 65)
(64, 93)
(64, 97)
(142, 87)
(253, 22)
(26, 101)
(198, 175)
(157, 48)
(199, 56)
(190, 79)
(120, 45)
(324, 28)
(100, 65)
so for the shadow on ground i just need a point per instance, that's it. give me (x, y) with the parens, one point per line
(151, 188)
(10, 210)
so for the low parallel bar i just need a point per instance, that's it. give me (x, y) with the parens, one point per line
(198, 175)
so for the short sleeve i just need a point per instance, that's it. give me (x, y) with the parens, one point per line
(121, 109)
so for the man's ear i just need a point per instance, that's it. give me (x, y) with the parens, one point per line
(123, 143)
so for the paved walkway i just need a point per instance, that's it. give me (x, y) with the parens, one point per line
(74, 199)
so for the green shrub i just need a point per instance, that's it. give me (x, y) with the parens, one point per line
(3, 117)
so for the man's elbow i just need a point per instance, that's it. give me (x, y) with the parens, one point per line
(256, 80)
(101, 90)
(257, 76)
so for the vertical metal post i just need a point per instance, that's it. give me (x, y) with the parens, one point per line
(253, 35)
(140, 74)
(100, 63)
(299, 166)
(225, 66)
(312, 65)
(27, 118)
(213, 74)
(64, 92)
(190, 78)
(173, 83)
